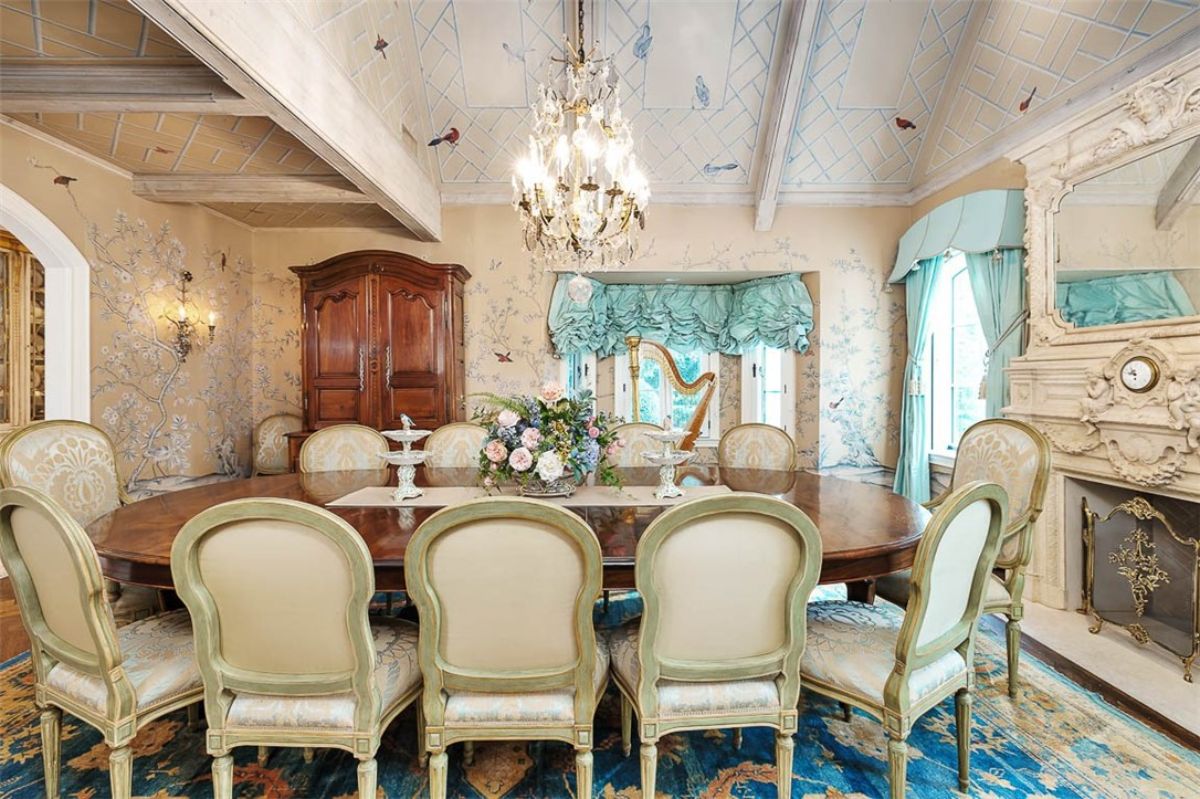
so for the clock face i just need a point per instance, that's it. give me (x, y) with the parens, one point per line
(1139, 374)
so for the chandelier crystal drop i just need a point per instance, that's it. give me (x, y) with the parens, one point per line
(580, 193)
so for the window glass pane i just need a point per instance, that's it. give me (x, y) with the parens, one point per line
(650, 381)
(771, 396)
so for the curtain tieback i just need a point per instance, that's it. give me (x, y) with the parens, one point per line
(1013, 326)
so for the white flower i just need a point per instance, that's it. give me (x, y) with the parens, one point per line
(551, 393)
(550, 466)
(520, 459)
(531, 437)
(507, 418)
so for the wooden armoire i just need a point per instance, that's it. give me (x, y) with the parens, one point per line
(382, 336)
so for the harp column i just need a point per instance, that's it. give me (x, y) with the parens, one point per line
(635, 370)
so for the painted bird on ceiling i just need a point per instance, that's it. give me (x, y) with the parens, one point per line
(905, 124)
(702, 94)
(381, 46)
(1024, 106)
(514, 53)
(641, 48)
(64, 180)
(711, 169)
(450, 137)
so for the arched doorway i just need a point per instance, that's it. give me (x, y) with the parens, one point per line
(68, 377)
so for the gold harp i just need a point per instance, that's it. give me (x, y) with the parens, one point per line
(704, 385)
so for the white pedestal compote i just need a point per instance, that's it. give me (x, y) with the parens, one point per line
(666, 461)
(406, 461)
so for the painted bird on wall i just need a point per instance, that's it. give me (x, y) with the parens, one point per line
(905, 124)
(1024, 106)
(64, 180)
(450, 137)
(504, 357)
(381, 46)
(641, 48)
(702, 94)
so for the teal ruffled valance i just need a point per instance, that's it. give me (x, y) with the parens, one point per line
(1131, 297)
(776, 311)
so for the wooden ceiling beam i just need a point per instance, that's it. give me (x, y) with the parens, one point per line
(39, 85)
(789, 86)
(1180, 191)
(240, 188)
(268, 55)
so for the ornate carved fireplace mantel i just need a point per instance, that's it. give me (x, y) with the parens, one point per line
(1077, 384)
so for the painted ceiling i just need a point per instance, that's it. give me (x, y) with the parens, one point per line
(893, 99)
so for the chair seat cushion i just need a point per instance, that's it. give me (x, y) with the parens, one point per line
(396, 674)
(678, 699)
(852, 646)
(158, 659)
(476, 708)
(894, 588)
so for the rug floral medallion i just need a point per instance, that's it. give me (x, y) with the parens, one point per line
(1055, 740)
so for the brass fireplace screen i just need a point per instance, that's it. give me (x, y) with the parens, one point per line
(1145, 579)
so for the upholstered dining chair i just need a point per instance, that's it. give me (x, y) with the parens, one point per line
(278, 591)
(75, 464)
(505, 588)
(636, 442)
(116, 680)
(269, 446)
(1016, 456)
(899, 665)
(756, 446)
(343, 447)
(455, 445)
(699, 659)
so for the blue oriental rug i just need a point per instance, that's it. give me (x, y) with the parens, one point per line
(1056, 740)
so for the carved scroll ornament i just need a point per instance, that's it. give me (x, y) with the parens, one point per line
(1156, 109)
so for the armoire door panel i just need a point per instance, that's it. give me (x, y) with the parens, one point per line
(339, 322)
(414, 341)
(337, 405)
(422, 404)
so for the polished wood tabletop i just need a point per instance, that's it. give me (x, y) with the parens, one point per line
(867, 530)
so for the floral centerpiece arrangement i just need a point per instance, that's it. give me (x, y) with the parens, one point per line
(546, 444)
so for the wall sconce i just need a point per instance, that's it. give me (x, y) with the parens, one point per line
(185, 326)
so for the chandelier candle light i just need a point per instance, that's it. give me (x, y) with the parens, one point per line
(579, 190)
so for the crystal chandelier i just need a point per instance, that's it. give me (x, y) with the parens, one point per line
(579, 191)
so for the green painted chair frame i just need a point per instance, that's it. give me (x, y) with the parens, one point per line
(313, 440)
(256, 441)
(783, 663)
(122, 720)
(222, 680)
(440, 675)
(1016, 550)
(897, 713)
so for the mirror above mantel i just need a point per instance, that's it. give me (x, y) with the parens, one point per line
(1127, 242)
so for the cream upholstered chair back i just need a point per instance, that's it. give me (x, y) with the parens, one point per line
(270, 444)
(950, 573)
(635, 442)
(71, 462)
(60, 591)
(278, 591)
(1017, 457)
(756, 446)
(343, 447)
(505, 588)
(765, 556)
(455, 445)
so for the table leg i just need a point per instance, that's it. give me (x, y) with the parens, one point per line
(861, 591)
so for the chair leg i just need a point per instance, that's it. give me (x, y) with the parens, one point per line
(222, 769)
(649, 767)
(367, 778)
(897, 766)
(583, 773)
(737, 737)
(846, 711)
(626, 725)
(437, 775)
(422, 753)
(120, 772)
(607, 595)
(194, 716)
(962, 722)
(1012, 632)
(51, 748)
(785, 748)
(262, 756)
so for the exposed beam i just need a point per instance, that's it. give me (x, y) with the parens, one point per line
(30, 86)
(270, 57)
(238, 188)
(1181, 189)
(788, 88)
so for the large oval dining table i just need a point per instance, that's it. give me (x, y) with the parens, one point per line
(867, 531)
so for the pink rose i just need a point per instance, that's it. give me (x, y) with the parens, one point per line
(495, 450)
(531, 437)
(593, 432)
(507, 418)
(520, 459)
(552, 392)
